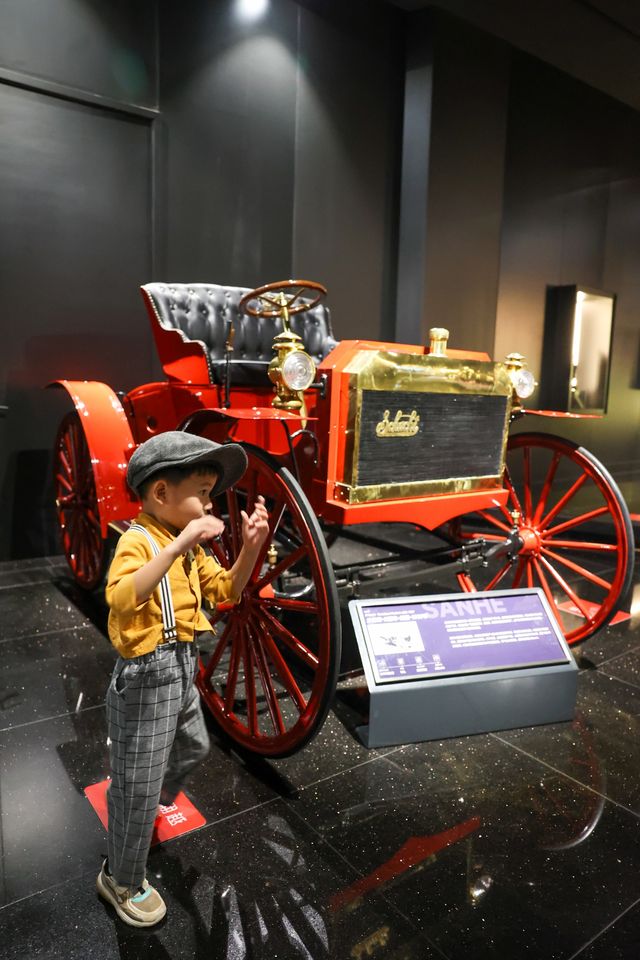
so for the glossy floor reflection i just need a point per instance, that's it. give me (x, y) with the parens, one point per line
(515, 844)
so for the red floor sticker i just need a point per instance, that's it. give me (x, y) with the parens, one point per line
(172, 821)
(593, 608)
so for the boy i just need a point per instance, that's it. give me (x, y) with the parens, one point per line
(157, 579)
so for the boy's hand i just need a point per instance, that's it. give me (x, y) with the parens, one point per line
(256, 527)
(198, 531)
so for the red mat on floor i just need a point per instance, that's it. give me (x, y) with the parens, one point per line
(593, 608)
(172, 821)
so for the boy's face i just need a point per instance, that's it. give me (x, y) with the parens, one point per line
(176, 504)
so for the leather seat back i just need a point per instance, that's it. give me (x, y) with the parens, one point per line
(202, 312)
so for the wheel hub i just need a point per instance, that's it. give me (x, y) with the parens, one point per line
(530, 540)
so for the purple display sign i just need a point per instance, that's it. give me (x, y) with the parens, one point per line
(451, 635)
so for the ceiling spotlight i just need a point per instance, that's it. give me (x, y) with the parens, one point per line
(252, 9)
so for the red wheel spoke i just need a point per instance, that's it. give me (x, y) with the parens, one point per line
(576, 568)
(82, 549)
(582, 545)
(302, 606)
(466, 583)
(520, 569)
(529, 575)
(576, 521)
(271, 696)
(234, 521)
(64, 460)
(252, 495)
(498, 577)
(571, 492)
(276, 514)
(282, 669)
(221, 646)
(545, 585)
(232, 677)
(71, 443)
(249, 683)
(284, 564)
(291, 641)
(489, 537)
(65, 483)
(546, 487)
(92, 519)
(562, 583)
(73, 526)
(514, 497)
(526, 482)
(493, 520)
(216, 548)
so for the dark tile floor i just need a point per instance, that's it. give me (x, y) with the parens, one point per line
(508, 845)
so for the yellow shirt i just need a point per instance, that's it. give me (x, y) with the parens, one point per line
(135, 629)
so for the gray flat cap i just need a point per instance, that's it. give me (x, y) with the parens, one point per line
(177, 449)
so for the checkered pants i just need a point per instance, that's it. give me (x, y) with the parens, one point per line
(158, 734)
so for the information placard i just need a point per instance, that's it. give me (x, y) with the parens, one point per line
(409, 639)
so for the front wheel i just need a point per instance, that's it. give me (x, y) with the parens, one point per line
(271, 671)
(568, 531)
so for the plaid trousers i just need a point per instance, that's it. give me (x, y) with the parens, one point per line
(158, 734)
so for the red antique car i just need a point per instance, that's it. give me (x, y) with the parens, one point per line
(346, 441)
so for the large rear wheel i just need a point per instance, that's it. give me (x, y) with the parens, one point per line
(77, 504)
(565, 528)
(271, 670)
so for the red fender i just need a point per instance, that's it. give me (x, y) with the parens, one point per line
(111, 444)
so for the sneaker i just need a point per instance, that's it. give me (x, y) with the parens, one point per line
(139, 908)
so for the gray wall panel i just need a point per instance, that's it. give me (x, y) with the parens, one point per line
(449, 247)
(346, 167)
(229, 113)
(74, 246)
(105, 47)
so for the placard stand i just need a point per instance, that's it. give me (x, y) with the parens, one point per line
(457, 664)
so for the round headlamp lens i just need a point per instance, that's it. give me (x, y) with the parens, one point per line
(523, 383)
(298, 370)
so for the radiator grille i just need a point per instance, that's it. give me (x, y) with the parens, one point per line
(459, 435)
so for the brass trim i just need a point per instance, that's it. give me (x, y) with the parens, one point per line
(401, 491)
(385, 370)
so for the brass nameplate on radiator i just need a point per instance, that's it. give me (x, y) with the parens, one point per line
(402, 425)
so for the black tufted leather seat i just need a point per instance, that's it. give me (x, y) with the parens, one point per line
(201, 312)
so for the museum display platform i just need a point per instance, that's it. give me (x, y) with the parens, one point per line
(494, 845)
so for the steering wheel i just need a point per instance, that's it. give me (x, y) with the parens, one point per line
(279, 298)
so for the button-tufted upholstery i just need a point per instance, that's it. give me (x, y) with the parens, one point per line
(201, 312)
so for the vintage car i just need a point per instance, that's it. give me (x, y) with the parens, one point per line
(345, 440)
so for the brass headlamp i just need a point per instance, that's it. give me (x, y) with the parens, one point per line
(523, 381)
(292, 370)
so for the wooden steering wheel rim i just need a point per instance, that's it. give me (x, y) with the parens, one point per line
(281, 286)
